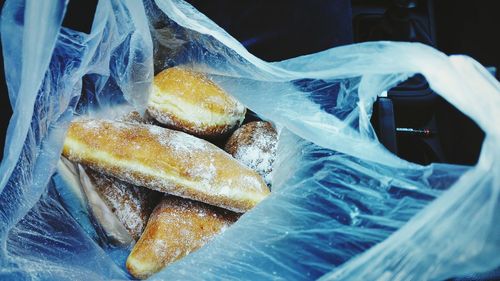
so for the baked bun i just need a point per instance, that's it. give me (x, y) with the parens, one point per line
(176, 228)
(131, 204)
(190, 102)
(254, 145)
(164, 160)
(105, 222)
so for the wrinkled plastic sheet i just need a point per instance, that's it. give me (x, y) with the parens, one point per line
(342, 206)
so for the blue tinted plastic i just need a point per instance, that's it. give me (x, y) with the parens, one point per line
(342, 207)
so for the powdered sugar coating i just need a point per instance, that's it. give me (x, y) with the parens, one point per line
(164, 160)
(131, 204)
(91, 124)
(177, 227)
(254, 145)
(191, 102)
(135, 117)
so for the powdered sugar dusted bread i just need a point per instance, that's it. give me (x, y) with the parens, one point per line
(254, 145)
(105, 221)
(135, 117)
(176, 228)
(189, 101)
(131, 204)
(164, 160)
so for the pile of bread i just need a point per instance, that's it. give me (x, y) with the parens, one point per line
(161, 178)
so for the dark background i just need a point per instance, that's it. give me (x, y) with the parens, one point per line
(279, 29)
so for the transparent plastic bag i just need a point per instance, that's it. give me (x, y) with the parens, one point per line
(342, 206)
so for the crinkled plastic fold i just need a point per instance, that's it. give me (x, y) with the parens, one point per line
(342, 206)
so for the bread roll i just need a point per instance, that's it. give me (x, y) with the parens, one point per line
(105, 221)
(176, 228)
(131, 204)
(164, 160)
(254, 145)
(190, 102)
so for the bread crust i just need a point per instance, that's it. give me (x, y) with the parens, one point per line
(131, 204)
(254, 145)
(189, 101)
(164, 160)
(176, 228)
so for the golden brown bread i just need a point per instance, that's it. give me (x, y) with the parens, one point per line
(131, 204)
(164, 160)
(190, 102)
(254, 145)
(176, 228)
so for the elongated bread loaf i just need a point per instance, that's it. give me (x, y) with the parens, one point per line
(176, 228)
(189, 101)
(164, 160)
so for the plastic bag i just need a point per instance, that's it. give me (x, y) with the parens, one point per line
(342, 207)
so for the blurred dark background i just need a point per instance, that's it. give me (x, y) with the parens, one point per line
(411, 121)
